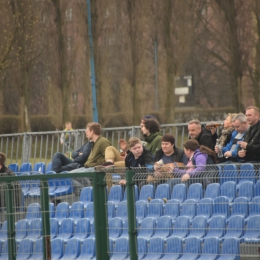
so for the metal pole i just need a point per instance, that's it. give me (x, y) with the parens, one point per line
(92, 66)
(156, 75)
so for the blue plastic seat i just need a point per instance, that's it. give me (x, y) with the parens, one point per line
(37, 250)
(66, 230)
(172, 209)
(77, 211)
(82, 230)
(35, 229)
(189, 208)
(13, 167)
(155, 208)
(115, 226)
(156, 248)
(116, 194)
(25, 249)
(51, 210)
(111, 210)
(247, 173)
(49, 167)
(21, 229)
(90, 212)
(64, 187)
(4, 253)
(230, 249)
(92, 230)
(181, 227)
(212, 191)
(195, 192)
(39, 167)
(34, 190)
(199, 227)
(239, 207)
(141, 210)
(72, 250)
(252, 233)
(246, 190)
(192, 249)
(211, 249)
(205, 208)
(52, 185)
(162, 191)
(86, 195)
(54, 227)
(122, 210)
(228, 189)
(179, 192)
(88, 250)
(147, 228)
(235, 228)
(121, 250)
(173, 249)
(164, 227)
(221, 207)
(136, 193)
(62, 211)
(147, 191)
(57, 248)
(25, 185)
(257, 188)
(25, 167)
(3, 232)
(229, 173)
(254, 207)
(217, 226)
(141, 247)
(33, 211)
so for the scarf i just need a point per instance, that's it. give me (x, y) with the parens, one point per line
(224, 135)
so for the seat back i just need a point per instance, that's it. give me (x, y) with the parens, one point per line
(253, 226)
(172, 209)
(155, 208)
(121, 250)
(25, 249)
(115, 194)
(162, 191)
(77, 210)
(33, 211)
(217, 227)
(254, 206)
(35, 229)
(122, 210)
(39, 167)
(221, 207)
(82, 230)
(189, 208)
(164, 227)
(21, 229)
(57, 248)
(52, 210)
(111, 209)
(181, 227)
(3, 232)
(26, 167)
(4, 253)
(212, 191)
(230, 247)
(205, 207)
(147, 228)
(141, 247)
(66, 228)
(147, 191)
(54, 227)
(86, 195)
(72, 249)
(141, 210)
(199, 226)
(37, 249)
(179, 192)
(211, 246)
(13, 167)
(247, 173)
(192, 247)
(229, 173)
(240, 207)
(156, 248)
(115, 227)
(136, 193)
(257, 188)
(90, 212)
(173, 247)
(228, 189)
(246, 190)
(62, 211)
(235, 228)
(88, 249)
(195, 192)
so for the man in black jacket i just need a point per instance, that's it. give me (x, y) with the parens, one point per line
(250, 147)
(203, 136)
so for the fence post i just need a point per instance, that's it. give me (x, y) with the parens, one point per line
(26, 148)
(100, 214)
(131, 215)
(10, 221)
(45, 220)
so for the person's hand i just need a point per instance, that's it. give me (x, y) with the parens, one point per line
(241, 153)
(185, 177)
(80, 153)
(122, 182)
(157, 167)
(216, 149)
(227, 154)
(157, 174)
(123, 144)
(242, 144)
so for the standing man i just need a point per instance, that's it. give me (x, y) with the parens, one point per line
(97, 154)
(203, 136)
(67, 138)
(250, 146)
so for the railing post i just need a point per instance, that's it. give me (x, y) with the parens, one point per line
(45, 220)
(10, 221)
(131, 215)
(100, 214)
(26, 148)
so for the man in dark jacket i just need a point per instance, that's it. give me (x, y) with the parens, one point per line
(203, 136)
(250, 147)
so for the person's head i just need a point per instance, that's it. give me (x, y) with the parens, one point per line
(93, 130)
(135, 146)
(2, 158)
(168, 142)
(68, 125)
(240, 123)
(146, 117)
(194, 128)
(150, 126)
(252, 115)
(228, 121)
(190, 147)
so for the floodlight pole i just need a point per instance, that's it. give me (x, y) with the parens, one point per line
(92, 66)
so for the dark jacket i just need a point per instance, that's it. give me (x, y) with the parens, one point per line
(142, 161)
(252, 137)
(205, 138)
(85, 149)
(177, 156)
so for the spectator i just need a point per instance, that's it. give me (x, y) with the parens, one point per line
(203, 136)
(250, 146)
(146, 117)
(230, 150)
(151, 132)
(67, 138)
(97, 154)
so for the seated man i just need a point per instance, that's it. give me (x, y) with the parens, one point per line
(230, 151)
(250, 148)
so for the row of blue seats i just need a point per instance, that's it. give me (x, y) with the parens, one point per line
(27, 167)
